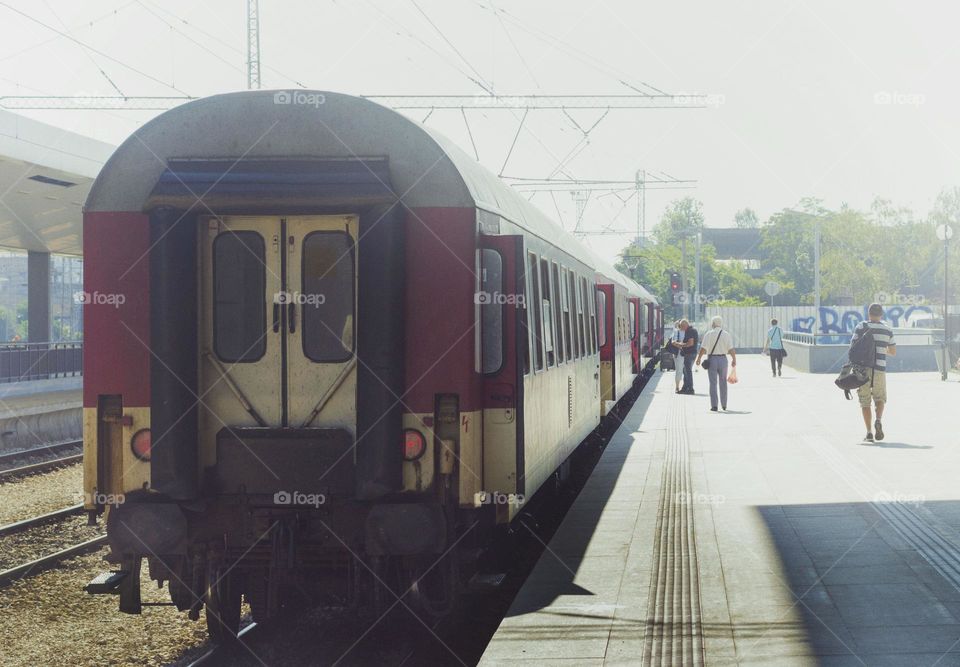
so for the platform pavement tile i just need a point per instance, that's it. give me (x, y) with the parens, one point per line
(899, 660)
(764, 661)
(820, 510)
(892, 639)
(846, 553)
(871, 574)
(852, 524)
(889, 604)
(624, 651)
(936, 583)
(553, 567)
(513, 662)
(529, 647)
(718, 644)
(790, 640)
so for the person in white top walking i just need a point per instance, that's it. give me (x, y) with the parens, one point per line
(675, 340)
(717, 344)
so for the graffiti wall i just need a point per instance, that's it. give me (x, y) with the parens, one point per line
(844, 319)
(749, 325)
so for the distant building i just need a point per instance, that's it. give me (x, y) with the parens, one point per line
(736, 244)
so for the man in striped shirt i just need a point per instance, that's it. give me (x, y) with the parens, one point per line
(877, 387)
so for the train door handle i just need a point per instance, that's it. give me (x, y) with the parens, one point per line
(276, 318)
(292, 316)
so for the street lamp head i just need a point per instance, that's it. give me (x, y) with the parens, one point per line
(944, 232)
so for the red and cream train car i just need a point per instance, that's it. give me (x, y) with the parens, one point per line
(344, 349)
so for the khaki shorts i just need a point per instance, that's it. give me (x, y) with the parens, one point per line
(878, 391)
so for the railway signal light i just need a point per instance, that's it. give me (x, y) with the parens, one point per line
(676, 288)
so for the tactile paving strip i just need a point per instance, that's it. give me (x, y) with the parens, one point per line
(674, 626)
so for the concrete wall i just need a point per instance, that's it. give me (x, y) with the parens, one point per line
(831, 358)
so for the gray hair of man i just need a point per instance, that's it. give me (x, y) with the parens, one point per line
(716, 322)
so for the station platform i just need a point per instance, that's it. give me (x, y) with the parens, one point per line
(771, 534)
(36, 412)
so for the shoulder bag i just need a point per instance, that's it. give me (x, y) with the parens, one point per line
(706, 362)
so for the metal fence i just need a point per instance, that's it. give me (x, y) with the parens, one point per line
(900, 336)
(40, 361)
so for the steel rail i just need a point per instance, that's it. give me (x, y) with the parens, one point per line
(45, 562)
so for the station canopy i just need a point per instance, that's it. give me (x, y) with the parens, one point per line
(45, 175)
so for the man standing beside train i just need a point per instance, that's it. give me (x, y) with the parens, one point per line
(688, 350)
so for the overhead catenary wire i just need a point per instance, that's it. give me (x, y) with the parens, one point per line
(85, 52)
(91, 48)
(210, 35)
(482, 81)
(85, 24)
(578, 54)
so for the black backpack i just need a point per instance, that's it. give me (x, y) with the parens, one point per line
(863, 348)
(851, 377)
(862, 355)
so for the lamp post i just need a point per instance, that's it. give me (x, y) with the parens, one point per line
(944, 233)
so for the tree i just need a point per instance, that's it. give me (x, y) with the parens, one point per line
(682, 218)
(746, 218)
(787, 245)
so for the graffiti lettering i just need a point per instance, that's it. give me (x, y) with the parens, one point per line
(832, 321)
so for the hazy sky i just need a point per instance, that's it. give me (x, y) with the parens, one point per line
(844, 101)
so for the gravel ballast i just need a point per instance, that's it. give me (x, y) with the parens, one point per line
(32, 496)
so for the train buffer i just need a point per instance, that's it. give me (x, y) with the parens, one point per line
(769, 534)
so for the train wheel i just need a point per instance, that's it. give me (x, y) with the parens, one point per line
(223, 605)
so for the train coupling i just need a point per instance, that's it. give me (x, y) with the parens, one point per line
(106, 583)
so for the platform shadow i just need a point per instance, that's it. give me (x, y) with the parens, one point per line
(886, 444)
(857, 583)
(557, 567)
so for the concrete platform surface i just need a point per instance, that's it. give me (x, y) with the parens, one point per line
(771, 534)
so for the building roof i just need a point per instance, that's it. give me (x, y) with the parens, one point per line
(45, 175)
(734, 242)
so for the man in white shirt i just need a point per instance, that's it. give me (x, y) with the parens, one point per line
(717, 344)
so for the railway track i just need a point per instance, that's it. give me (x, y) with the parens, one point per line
(45, 562)
(9, 469)
(214, 654)
(18, 526)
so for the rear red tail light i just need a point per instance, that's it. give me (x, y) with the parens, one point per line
(140, 444)
(414, 445)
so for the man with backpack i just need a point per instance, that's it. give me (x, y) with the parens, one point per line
(871, 344)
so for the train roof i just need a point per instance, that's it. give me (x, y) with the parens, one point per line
(242, 130)
(423, 168)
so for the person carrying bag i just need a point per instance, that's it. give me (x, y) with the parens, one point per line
(773, 346)
(720, 343)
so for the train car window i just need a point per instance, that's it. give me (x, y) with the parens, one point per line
(558, 311)
(575, 282)
(633, 320)
(569, 353)
(547, 309)
(536, 312)
(491, 311)
(587, 331)
(328, 274)
(601, 314)
(523, 345)
(239, 297)
(569, 327)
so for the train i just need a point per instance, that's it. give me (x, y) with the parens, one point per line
(346, 356)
